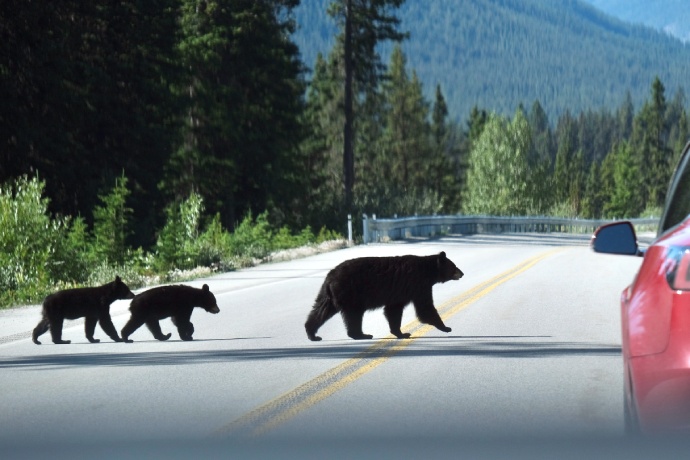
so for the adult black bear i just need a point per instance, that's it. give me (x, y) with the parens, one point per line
(92, 303)
(175, 302)
(368, 283)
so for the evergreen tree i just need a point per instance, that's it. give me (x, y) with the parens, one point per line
(657, 154)
(322, 149)
(676, 119)
(439, 115)
(363, 25)
(593, 202)
(244, 97)
(628, 199)
(407, 130)
(86, 95)
(576, 185)
(447, 155)
(111, 224)
(682, 138)
(625, 116)
(562, 168)
(475, 124)
(541, 133)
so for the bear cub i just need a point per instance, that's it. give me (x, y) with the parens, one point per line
(175, 302)
(368, 283)
(91, 303)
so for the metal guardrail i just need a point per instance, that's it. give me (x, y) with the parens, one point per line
(381, 230)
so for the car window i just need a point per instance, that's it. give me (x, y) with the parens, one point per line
(678, 199)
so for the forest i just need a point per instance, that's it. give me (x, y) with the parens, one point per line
(497, 54)
(146, 137)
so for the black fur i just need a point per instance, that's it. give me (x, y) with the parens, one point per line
(91, 303)
(368, 283)
(175, 302)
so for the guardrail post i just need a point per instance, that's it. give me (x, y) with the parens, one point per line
(365, 229)
(349, 229)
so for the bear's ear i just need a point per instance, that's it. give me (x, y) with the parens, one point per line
(442, 255)
(117, 279)
(204, 287)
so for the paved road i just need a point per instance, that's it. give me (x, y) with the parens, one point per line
(534, 353)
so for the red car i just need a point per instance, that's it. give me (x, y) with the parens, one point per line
(655, 314)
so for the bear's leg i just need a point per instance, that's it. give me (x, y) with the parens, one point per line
(90, 328)
(132, 325)
(188, 331)
(40, 329)
(353, 324)
(185, 330)
(107, 325)
(322, 311)
(155, 328)
(56, 331)
(427, 313)
(393, 314)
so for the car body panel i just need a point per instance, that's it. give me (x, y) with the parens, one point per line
(655, 314)
(655, 322)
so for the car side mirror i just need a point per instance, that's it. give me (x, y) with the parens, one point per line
(615, 238)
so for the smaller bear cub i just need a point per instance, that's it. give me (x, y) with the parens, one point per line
(91, 303)
(175, 302)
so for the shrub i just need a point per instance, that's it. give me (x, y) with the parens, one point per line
(252, 238)
(28, 240)
(177, 246)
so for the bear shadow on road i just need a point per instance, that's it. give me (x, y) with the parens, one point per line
(504, 347)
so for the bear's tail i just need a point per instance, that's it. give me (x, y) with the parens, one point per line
(322, 311)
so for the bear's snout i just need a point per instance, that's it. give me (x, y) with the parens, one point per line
(458, 274)
(214, 309)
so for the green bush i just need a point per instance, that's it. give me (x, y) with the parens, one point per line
(177, 245)
(40, 254)
(28, 241)
(252, 237)
(74, 256)
(214, 246)
(327, 235)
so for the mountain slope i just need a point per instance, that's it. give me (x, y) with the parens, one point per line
(497, 54)
(671, 16)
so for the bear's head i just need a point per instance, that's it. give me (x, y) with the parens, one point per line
(447, 270)
(120, 290)
(208, 300)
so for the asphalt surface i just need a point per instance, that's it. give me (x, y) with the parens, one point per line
(531, 366)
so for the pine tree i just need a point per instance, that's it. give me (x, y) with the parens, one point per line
(111, 224)
(86, 94)
(628, 198)
(407, 129)
(363, 25)
(244, 98)
(439, 115)
(475, 124)
(650, 135)
(593, 201)
(321, 150)
(541, 133)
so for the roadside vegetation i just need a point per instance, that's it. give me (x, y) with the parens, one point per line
(194, 140)
(40, 253)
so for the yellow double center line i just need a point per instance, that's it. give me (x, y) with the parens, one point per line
(283, 408)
